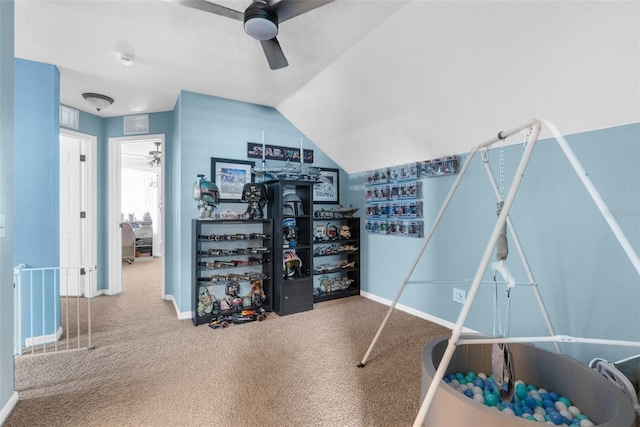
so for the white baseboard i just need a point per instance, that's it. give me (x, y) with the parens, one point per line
(184, 315)
(6, 410)
(413, 311)
(46, 339)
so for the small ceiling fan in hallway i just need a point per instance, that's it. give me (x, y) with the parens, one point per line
(261, 21)
(155, 156)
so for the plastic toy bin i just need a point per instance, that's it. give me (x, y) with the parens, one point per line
(596, 396)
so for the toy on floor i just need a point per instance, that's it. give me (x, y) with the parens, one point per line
(205, 302)
(257, 294)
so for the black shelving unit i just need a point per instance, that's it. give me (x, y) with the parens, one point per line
(292, 293)
(336, 258)
(228, 254)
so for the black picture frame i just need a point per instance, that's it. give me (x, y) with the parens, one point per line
(230, 175)
(327, 192)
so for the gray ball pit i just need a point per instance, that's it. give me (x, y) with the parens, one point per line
(596, 396)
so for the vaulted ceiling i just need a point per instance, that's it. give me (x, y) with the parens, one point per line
(372, 83)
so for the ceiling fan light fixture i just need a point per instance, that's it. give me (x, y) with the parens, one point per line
(260, 21)
(97, 101)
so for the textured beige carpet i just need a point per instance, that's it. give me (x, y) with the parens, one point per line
(150, 369)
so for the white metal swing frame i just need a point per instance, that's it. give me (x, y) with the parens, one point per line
(534, 127)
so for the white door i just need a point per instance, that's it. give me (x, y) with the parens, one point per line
(70, 219)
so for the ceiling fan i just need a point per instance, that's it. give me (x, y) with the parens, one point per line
(261, 20)
(155, 156)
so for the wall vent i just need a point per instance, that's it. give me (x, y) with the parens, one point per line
(136, 124)
(69, 117)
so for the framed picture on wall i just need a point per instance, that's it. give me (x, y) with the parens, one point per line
(230, 177)
(327, 189)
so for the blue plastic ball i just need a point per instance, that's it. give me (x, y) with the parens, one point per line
(479, 382)
(530, 402)
(553, 395)
(556, 418)
(469, 393)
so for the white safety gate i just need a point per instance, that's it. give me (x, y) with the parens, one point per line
(49, 316)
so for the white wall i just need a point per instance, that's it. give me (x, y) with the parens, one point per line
(437, 77)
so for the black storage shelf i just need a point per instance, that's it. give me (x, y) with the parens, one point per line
(334, 244)
(291, 294)
(226, 249)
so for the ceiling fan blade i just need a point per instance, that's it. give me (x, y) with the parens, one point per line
(274, 54)
(287, 9)
(206, 6)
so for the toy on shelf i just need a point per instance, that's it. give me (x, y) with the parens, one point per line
(255, 194)
(207, 195)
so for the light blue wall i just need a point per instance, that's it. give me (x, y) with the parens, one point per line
(8, 396)
(588, 285)
(214, 127)
(36, 189)
(36, 170)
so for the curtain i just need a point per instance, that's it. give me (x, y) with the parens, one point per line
(139, 194)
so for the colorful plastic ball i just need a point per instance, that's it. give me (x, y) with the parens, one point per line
(553, 395)
(521, 391)
(526, 410)
(539, 417)
(479, 382)
(556, 418)
(490, 399)
(565, 400)
(531, 387)
(586, 423)
(565, 413)
(560, 406)
(508, 411)
(530, 402)
(574, 410)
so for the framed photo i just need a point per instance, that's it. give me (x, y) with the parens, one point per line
(327, 189)
(230, 177)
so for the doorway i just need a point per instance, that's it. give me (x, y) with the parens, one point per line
(132, 158)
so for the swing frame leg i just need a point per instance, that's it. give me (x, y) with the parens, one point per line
(434, 225)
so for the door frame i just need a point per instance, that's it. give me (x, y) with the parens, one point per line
(114, 177)
(88, 202)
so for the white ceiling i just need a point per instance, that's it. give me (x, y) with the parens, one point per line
(399, 81)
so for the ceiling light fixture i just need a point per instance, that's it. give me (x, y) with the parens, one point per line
(97, 101)
(260, 21)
